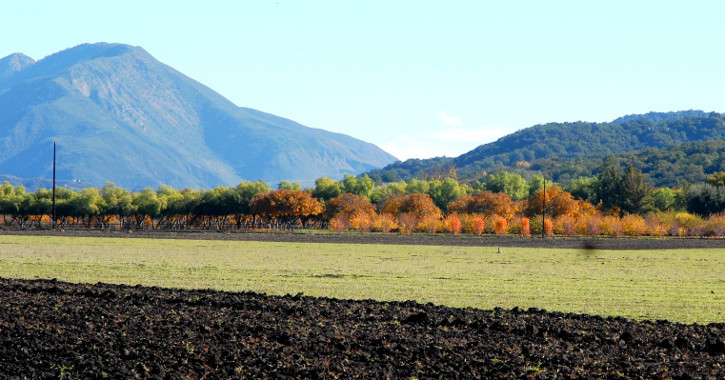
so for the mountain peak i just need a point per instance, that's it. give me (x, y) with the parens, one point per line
(13, 64)
(54, 64)
(91, 51)
(85, 52)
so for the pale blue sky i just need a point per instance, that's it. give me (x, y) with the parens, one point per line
(417, 78)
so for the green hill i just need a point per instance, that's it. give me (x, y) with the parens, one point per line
(568, 150)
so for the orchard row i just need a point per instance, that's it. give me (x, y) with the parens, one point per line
(356, 203)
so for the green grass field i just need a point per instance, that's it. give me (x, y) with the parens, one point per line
(677, 285)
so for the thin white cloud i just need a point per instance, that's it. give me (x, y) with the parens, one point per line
(451, 142)
(473, 135)
(449, 120)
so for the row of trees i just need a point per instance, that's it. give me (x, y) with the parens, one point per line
(435, 205)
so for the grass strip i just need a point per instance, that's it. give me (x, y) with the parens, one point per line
(677, 285)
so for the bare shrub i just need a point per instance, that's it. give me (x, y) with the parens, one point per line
(338, 223)
(655, 227)
(565, 225)
(407, 222)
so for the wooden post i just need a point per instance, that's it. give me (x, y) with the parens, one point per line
(54, 216)
(543, 213)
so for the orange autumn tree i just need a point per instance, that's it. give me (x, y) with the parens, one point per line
(501, 225)
(419, 205)
(384, 223)
(350, 210)
(347, 205)
(558, 202)
(453, 224)
(286, 206)
(525, 227)
(484, 202)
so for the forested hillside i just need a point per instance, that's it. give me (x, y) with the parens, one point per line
(566, 151)
(675, 166)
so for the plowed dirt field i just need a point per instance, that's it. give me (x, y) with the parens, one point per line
(604, 243)
(51, 329)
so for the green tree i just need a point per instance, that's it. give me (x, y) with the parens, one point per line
(476, 186)
(511, 184)
(362, 186)
(175, 208)
(681, 197)
(416, 186)
(286, 185)
(536, 183)
(8, 204)
(705, 199)
(247, 191)
(117, 202)
(444, 192)
(40, 204)
(608, 183)
(214, 206)
(146, 203)
(210, 203)
(717, 179)
(633, 191)
(382, 193)
(326, 189)
(11, 204)
(663, 199)
(87, 204)
(583, 188)
(64, 205)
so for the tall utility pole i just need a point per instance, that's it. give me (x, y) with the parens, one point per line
(54, 218)
(543, 212)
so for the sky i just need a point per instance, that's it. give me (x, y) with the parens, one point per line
(417, 78)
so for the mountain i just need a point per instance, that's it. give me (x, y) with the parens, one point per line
(565, 144)
(12, 64)
(33, 184)
(119, 115)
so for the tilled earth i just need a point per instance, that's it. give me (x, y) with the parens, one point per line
(604, 243)
(52, 329)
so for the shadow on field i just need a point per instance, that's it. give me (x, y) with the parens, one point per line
(589, 247)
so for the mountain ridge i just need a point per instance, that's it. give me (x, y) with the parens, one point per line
(120, 115)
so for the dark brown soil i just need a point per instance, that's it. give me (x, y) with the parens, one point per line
(603, 243)
(51, 329)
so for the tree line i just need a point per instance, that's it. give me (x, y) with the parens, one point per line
(615, 201)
